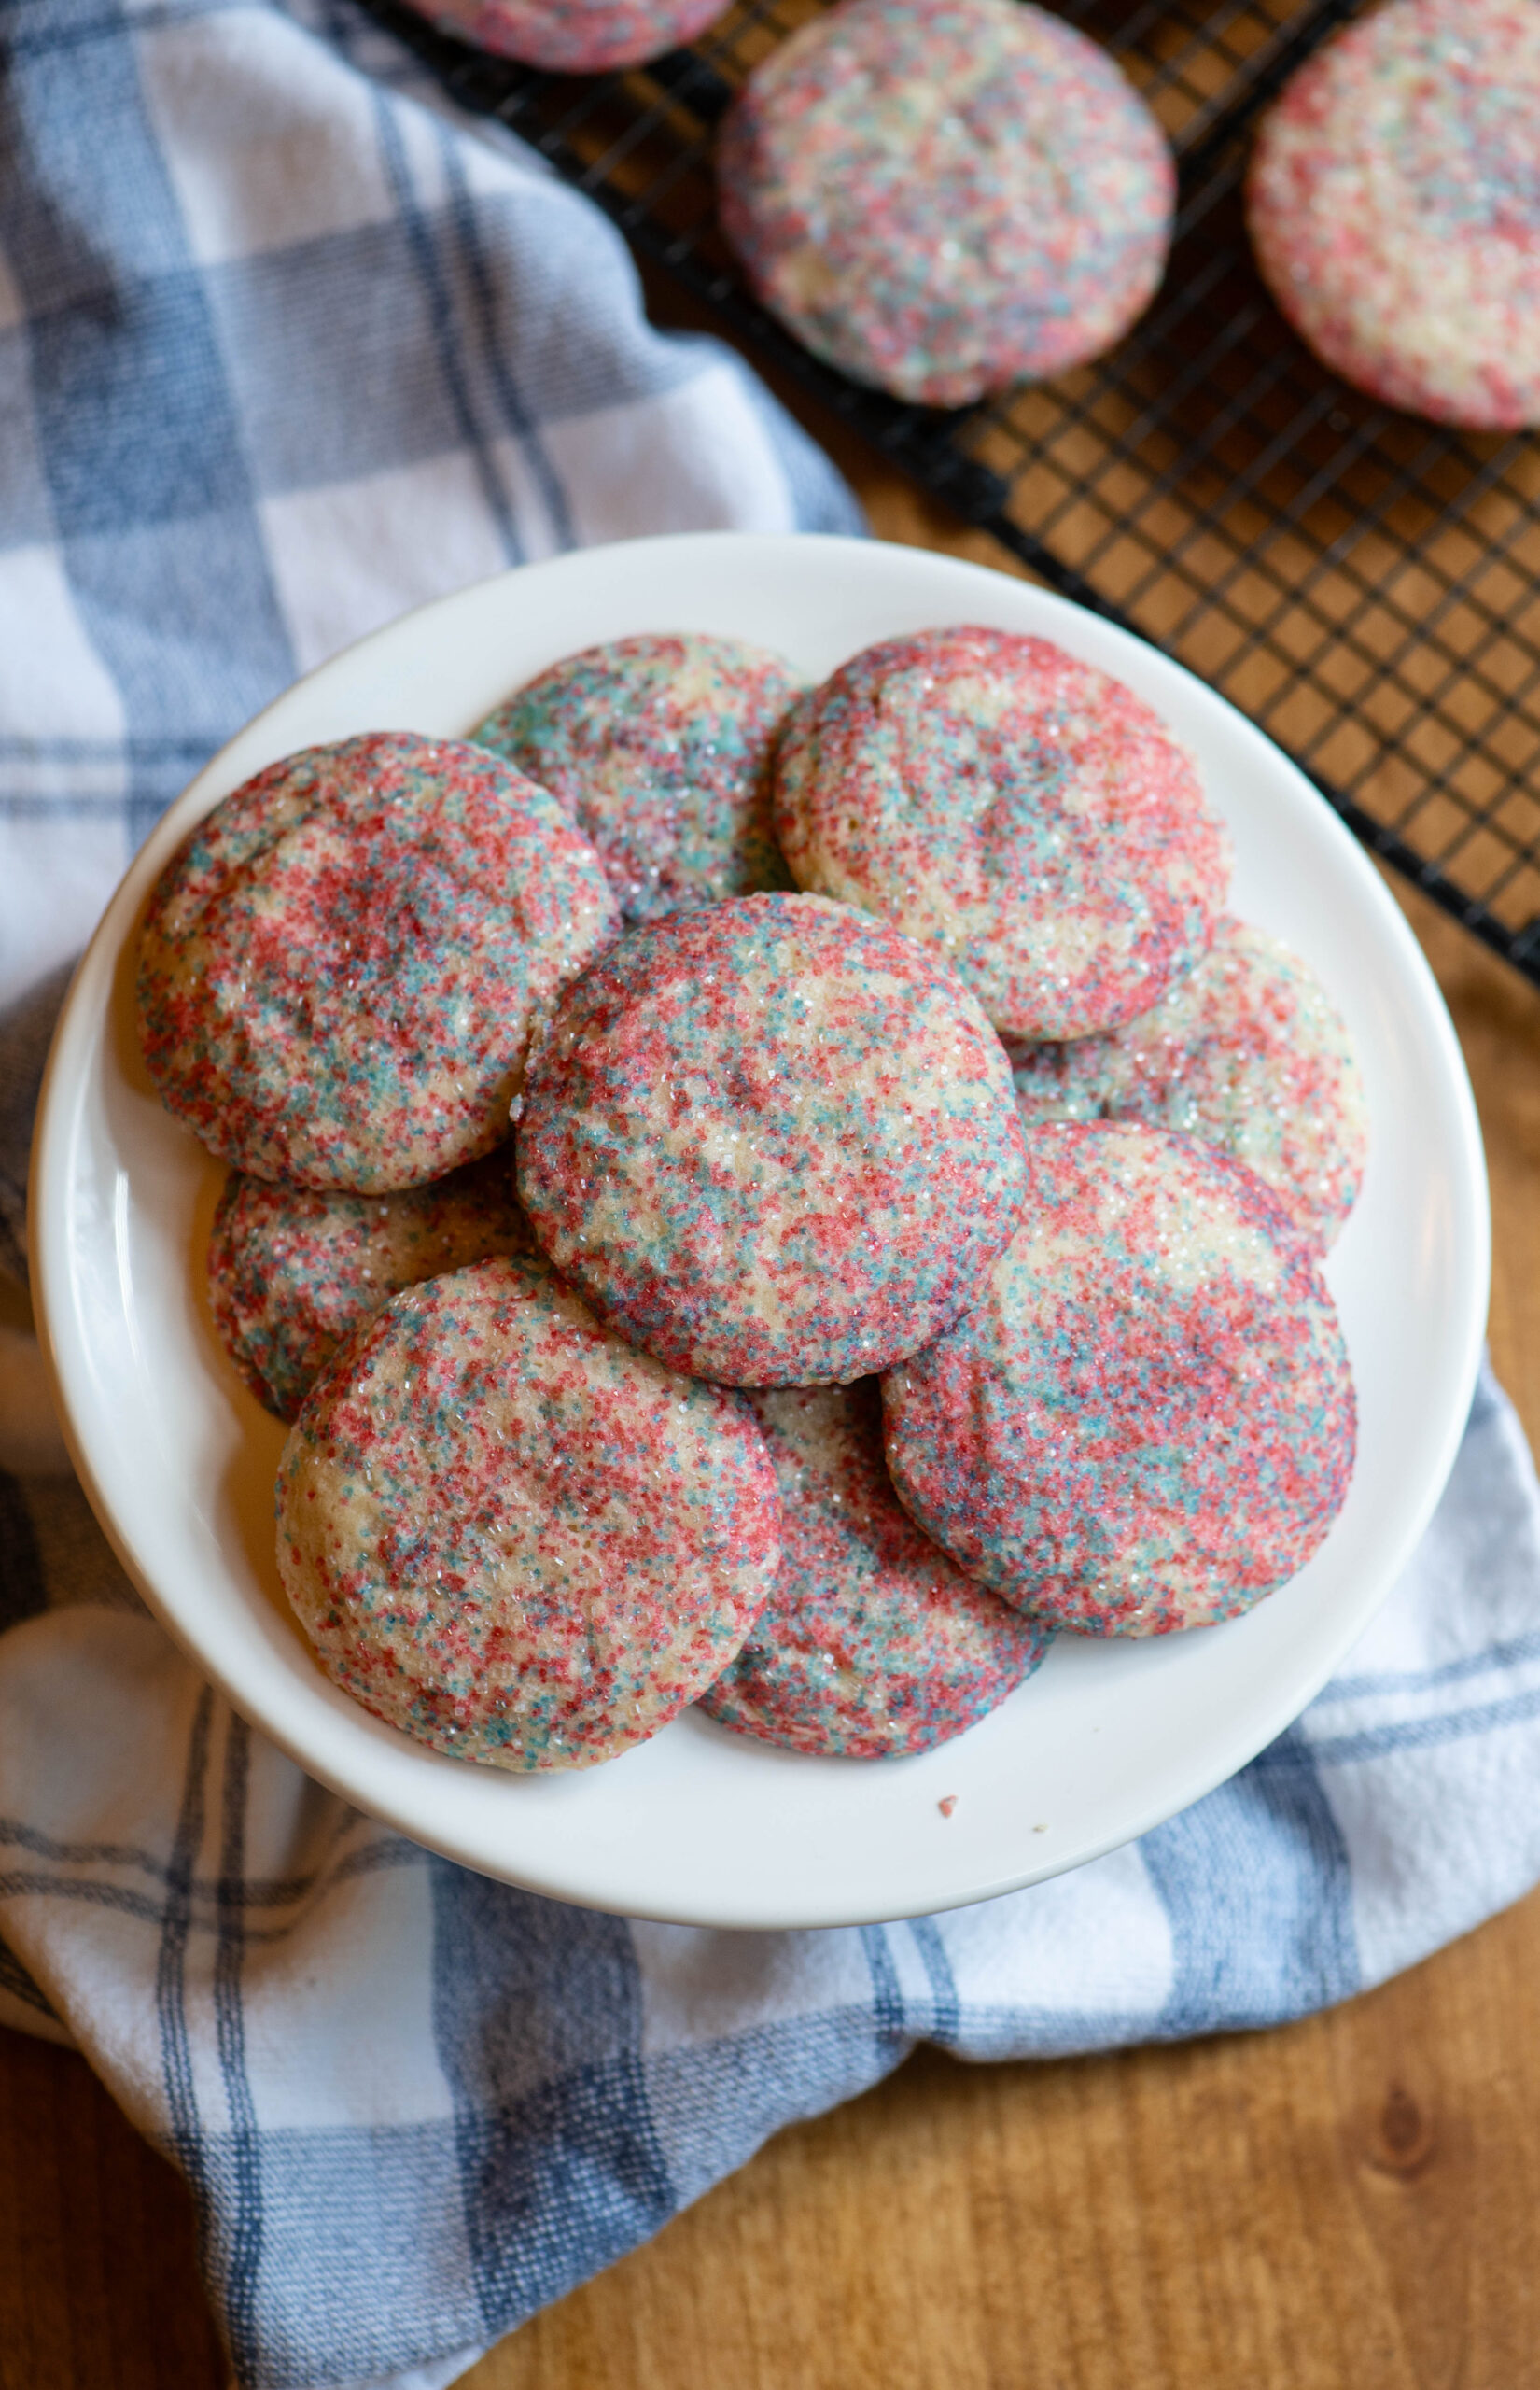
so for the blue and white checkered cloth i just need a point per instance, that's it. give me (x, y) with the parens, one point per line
(286, 348)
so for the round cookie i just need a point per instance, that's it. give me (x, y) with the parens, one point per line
(1014, 807)
(1394, 204)
(341, 969)
(659, 747)
(774, 1141)
(1247, 1053)
(872, 1642)
(292, 1271)
(942, 197)
(573, 36)
(1148, 1421)
(511, 1536)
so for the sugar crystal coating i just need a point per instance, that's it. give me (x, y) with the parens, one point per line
(1014, 807)
(659, 748)
(1247, 1053)
(944, 196)
(574, 37)
(342, 967)
(1148, 1421)
(873, 1642)
(774, 1141)
(514, 1536)
(292, 1271)
(1394, 204)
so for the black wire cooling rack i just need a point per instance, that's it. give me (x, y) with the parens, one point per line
(1364, 586)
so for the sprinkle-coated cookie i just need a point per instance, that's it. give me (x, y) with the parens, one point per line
(513, 1536)
(292, 1271)
(659, 748)
(1249, 1053)
(942, 197)
(872, 1642)
(1017, 808)
(574, 37)
(774, 1141)
(341, 970)
(1394, 202)
(1148, 1421)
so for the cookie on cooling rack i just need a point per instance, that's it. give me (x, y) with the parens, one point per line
(341, 967)
(1247, 1053)
(292, 1271)
(514, 1536)
(573, 36)
(774, 1141)
(1394, 202)
(942, 197)
(1148, 1421)
(1020, 811)
(873, 1642)
(659, 747)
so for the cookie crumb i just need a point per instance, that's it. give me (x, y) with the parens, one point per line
(1039, 1829)
(947, 1806)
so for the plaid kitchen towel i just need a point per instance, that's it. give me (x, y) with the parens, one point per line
(287, 348)
(415, 2105)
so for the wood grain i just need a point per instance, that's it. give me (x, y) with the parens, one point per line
(1352, 2200)
(98, 2285)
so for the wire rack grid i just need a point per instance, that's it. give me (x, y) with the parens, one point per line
(1364, 586)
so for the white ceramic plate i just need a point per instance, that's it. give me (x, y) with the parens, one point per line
(701, 1825)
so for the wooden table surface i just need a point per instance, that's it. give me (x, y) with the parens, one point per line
(1354, 2200)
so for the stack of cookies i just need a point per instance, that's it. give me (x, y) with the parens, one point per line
(770, 1196)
